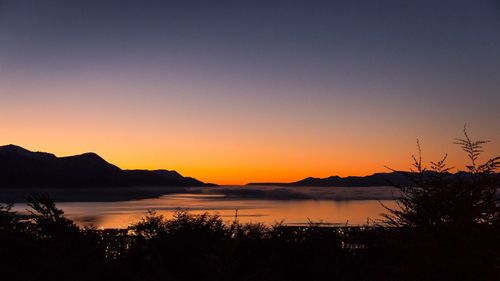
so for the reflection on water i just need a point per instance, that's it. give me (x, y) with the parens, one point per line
(292, 212)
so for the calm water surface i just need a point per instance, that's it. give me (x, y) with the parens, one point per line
(291, 212)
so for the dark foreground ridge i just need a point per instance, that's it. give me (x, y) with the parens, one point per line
(23, 168)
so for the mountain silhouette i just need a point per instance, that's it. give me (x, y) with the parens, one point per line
(20, 167)
(377, 179)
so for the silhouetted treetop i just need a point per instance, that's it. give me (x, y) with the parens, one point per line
(441, 199)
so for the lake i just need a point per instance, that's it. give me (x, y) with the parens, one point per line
(352, 206)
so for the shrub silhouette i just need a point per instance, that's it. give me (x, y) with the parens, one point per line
(50, 221)
(439, 198)
(51, 246)
(445, 225)
(202, 247)
(8, 221)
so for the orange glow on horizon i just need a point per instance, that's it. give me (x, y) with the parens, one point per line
(227, 170)
(230, 142)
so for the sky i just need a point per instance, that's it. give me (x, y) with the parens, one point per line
(247, 90)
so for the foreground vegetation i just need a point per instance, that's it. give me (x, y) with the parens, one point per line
(446, 228)
(187, 247)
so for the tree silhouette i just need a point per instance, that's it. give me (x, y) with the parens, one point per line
(439, 198)
(48, 219)
(8, 220)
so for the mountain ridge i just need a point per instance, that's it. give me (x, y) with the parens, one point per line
(377, 179)
(20, 167)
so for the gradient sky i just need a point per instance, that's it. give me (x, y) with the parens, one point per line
(247, 90)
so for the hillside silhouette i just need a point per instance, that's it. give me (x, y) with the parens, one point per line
(394, 179)
(378, 179)
(20, 167)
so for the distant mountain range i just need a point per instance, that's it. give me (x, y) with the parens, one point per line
(378, 179)
(23, 168)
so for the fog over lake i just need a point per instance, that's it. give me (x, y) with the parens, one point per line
(265, 204)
